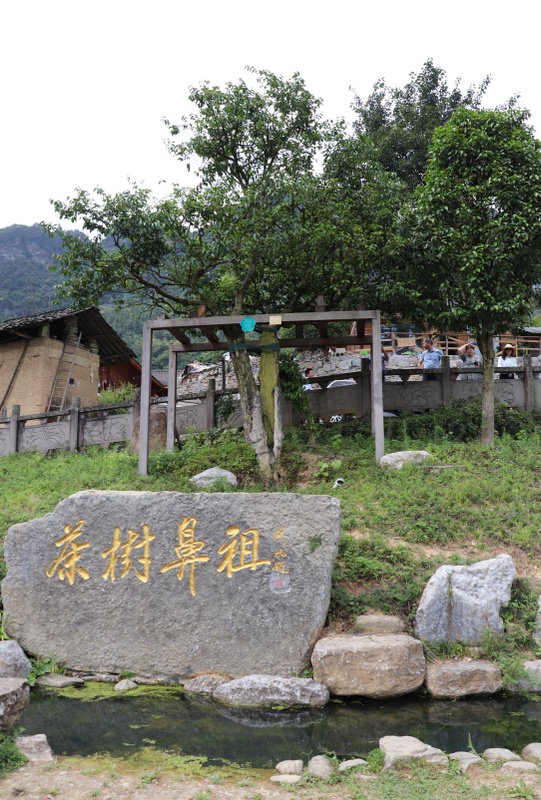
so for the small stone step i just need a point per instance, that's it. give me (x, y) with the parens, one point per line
(56, 681)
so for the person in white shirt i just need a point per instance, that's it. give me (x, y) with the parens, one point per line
(507, 358)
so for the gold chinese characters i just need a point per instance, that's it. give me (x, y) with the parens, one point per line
(240, 551)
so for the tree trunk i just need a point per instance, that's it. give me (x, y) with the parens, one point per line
(487, 430)
(262, 431)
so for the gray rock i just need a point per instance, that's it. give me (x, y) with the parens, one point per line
(14, 697)
(35, 748)
(261, 616)
(125, 685)
(101, 677)
(500, 754)
(54, 681)
(13, 661)
(264, 690)
(353, 762)
(460, 603)
(379, 623)
(517, 767)
(204, 480)
(531, 683)
(285, 778)
(205, 684)
(463, 678)
(465, 759)
(320, 767)
(397, 460)
(401, 749)
(387, 665)
(294, 767)
(532, 750)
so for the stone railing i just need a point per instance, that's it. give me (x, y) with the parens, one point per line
(403, 388)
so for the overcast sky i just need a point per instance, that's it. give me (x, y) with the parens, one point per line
(86, 85)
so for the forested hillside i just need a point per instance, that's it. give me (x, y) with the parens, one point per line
(27, 287)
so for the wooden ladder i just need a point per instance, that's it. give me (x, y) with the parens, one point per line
(63, 373)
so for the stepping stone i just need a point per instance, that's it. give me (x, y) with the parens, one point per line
(532, 750)
(290, 767)
(125, 685)
(465, 759)
(514, 767)
(55, 681)
(379, 623)
(401, 749)
(286, 778)
(35, 748)
(500, 754)
(320, 767)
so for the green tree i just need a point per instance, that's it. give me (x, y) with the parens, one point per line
(400, 121)
(472, 258)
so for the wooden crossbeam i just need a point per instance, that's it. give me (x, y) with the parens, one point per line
(333, 341)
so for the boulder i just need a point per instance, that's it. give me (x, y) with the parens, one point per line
(379, 623)
(460, 603)
(532, 750)
(388, 665)
(125, 685)
(518, 767)
(235, 573)
(204, 684)
(462, 678)
(55, 681)
(530, 683)
(465, 759)
(353, 762)
(319, 767)
(285, 778)
(500, 754)
(401, 749)
(265, 690)
(157, 432)
(290, 767)
(13, 661)
(397, 460)
(14, 697)
(35, 748)
(205, 480)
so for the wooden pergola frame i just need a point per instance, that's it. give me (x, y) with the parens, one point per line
(207, 326)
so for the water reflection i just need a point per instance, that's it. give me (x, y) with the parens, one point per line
(199, 726)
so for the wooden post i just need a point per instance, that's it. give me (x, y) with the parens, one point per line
(172, 400)
(74, 423)
(209, 401)
(13, 429)
(365, 388)
(446, 380)
(81, 432)
(529, 385)
(146, 388)
(377, 388)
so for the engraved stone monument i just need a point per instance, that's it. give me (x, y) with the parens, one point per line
(171, 584)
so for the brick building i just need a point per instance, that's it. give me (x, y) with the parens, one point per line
(47, 359)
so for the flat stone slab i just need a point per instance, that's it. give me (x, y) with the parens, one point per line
(465, 759)
(55, 681)
(353, 762)
(500, 754)
(13, 661)
(401, 749)
(291, 767)
(165, 583)
(516, 767)
(463, 678)
(460, 603)
(387, 665)
(285, 778)
(205, 684)
(532, 750)
(14, 697)
(255, 691)
(36, 748)
(379, 623)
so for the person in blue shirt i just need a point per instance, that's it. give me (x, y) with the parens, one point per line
(430, 358)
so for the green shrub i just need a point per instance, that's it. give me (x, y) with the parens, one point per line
(10, 757)
(124, 393)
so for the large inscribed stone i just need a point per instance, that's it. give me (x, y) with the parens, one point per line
(163, 583)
